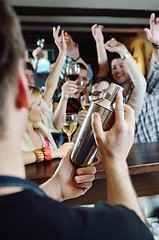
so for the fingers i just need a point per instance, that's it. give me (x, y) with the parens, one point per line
(56, 31)
(95, 29)
(119, 108)
(85, 175)
(123, 111)
(148, 33)
(69, 86)
(86, 170)
(97, 128)
(81, 115)
(152, 18)
(129, 115)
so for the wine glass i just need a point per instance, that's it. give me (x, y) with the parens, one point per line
(72, 70)
(70, 124)
(85, 102)
(41, 42)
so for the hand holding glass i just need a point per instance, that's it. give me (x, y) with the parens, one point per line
(70, 124)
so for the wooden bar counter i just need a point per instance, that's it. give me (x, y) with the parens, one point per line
(143, 162)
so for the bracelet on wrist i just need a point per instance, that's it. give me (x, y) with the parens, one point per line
(155, 45)
(126, 55)
(39, 155)
(47, 153)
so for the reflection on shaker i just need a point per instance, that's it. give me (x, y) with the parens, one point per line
(85, 148)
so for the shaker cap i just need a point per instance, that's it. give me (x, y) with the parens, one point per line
(112, 91)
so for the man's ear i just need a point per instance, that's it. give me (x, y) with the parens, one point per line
(22, 96)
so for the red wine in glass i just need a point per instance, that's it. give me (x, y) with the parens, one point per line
(72, 70)
(73, 77)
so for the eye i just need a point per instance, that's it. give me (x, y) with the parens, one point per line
(113, 67)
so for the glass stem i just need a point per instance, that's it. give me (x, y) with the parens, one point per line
(69, 138)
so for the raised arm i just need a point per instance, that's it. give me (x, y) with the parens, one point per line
(101, 52)
(68, 88)
(72, 54)
(114, 146)
(53, 78)
(37, 53)
(137, 97)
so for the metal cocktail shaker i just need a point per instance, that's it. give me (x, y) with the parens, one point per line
(85, 148)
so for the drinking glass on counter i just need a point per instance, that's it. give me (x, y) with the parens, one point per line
(70, 124)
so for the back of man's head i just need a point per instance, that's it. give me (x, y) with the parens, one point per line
(12, 49)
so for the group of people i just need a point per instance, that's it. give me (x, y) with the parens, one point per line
(36, 212)
(144, 103)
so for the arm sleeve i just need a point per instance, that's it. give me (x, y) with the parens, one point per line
(136, 99)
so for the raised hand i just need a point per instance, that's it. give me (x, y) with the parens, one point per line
(72, 48)
(152, 33)
(59, 38)
(37, 53)
(114, 46)
(97, 33)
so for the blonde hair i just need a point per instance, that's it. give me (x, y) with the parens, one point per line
(34, 95)
(34, 92)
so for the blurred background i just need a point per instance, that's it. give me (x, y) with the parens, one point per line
(124, 20)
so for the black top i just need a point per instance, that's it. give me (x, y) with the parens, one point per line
(28, 215)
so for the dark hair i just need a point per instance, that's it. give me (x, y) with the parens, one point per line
(82, 66)
(29, 66)
(112, 56)
(12, 49)
(100, 79)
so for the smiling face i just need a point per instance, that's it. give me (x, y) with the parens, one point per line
(30, 77)
(36, 107)
(119, 71)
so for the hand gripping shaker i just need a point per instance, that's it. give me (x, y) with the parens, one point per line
(85, 148)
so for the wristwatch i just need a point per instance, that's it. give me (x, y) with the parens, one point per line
(126, 55)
